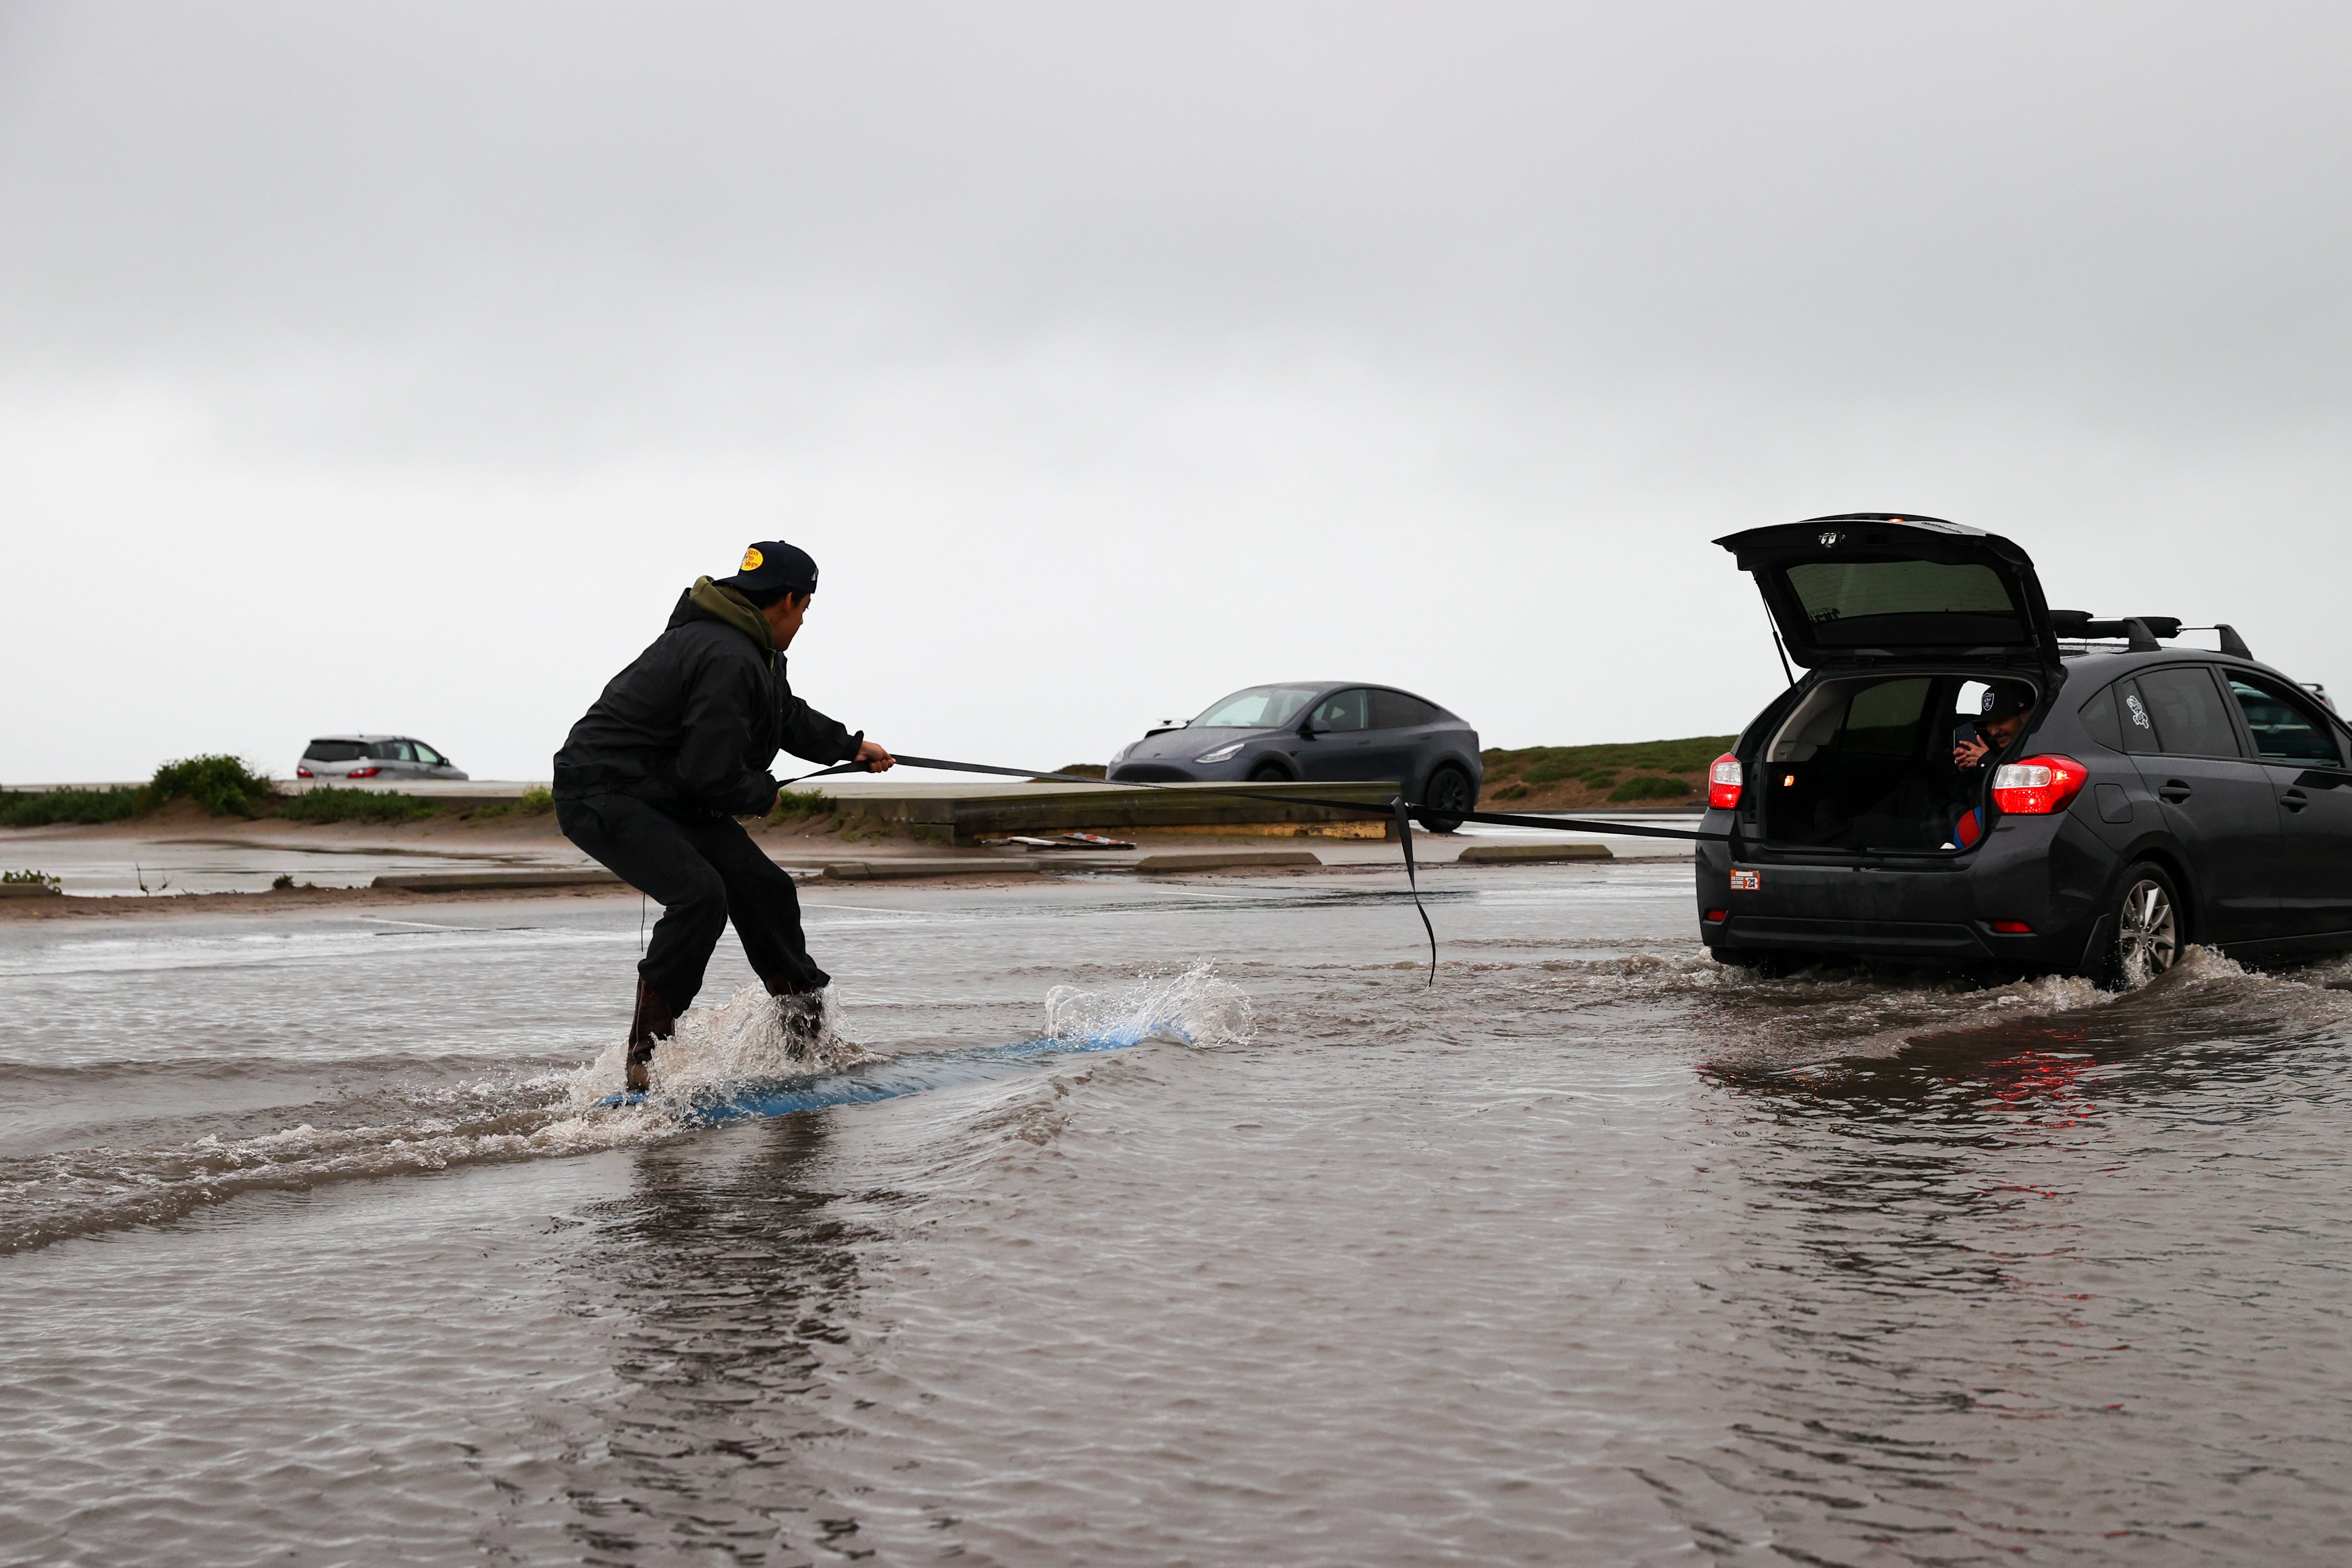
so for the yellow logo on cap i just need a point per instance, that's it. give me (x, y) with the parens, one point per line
(751, 558)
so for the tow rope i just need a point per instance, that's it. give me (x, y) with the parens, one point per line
(1403, 808)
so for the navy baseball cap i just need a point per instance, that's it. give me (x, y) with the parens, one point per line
(2007, 700)
(772, 564)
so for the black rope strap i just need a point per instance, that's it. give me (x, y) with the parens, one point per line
(1403, 808)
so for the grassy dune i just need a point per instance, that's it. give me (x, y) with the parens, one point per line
(1623, 772)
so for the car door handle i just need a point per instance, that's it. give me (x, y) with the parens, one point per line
(2174, 791)
(2295, 800)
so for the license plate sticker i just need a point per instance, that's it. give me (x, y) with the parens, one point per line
(1746, 882)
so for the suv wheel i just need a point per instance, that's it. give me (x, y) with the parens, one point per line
(1448, 795)
(2148, 927)
(1269, 772)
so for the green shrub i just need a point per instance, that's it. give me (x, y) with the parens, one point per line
(42, 808)
(223, 785)
(800, 803)
(1551, 770)
(1650, 787)
(281, 882)
(333, 805)
(1512, 792)
(537, 800)
(29, 879)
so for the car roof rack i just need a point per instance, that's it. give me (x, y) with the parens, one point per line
(2140, 632)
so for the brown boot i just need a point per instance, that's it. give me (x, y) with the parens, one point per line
(650, 1027)
(801, 1011)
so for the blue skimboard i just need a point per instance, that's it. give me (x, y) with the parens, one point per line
(871, 1081)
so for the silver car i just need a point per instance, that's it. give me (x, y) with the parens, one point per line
(380, 757)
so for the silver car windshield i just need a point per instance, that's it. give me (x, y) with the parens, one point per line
(1257, 708)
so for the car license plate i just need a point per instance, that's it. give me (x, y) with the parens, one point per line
(1746, 882)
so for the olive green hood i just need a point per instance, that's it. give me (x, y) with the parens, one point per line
(727, 605)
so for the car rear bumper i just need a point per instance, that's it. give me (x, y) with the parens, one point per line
(2046, 875)
(1907, 939)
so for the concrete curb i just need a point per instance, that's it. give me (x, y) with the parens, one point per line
(30, 891)
(1521, 854)
(480, 881)
(906, 870)
(1219, 860)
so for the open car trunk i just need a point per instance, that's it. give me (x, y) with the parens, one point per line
(1864, 762)
(1899, 620)
(1866, 588)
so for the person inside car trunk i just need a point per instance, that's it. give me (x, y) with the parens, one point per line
(651, 779)
(2007, 704)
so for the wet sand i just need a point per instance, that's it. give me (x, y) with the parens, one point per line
(318, 1249)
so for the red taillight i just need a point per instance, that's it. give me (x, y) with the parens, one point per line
(2037, 786)
(363, 773)
(2012, 928)
(1723, 782)
(301, 773)
(1717, 917)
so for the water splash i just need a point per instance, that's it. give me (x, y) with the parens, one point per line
(738, 1059)
(1192, 1007)
(717, 1051)
(726, 1063)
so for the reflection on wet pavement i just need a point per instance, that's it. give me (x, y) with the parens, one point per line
(1596, 1252)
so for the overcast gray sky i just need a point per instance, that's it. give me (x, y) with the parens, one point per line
(394, 366)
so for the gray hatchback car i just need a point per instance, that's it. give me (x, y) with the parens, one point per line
(373, 757)
(1303, 730)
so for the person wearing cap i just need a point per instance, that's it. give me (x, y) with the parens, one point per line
(2006, 707)
(652, 778)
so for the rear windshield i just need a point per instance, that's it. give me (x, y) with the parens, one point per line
(334, 752)
(1852, 603)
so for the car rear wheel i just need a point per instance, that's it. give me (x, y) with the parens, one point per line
(1449, 795)
(2149, 927)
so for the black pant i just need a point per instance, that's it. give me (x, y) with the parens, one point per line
(703, 874)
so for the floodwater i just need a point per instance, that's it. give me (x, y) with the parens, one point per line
(1154, 1225)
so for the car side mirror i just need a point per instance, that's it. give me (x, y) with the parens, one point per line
(1306, 730)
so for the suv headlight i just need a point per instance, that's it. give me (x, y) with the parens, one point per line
(1223, 753)
(1120, 755)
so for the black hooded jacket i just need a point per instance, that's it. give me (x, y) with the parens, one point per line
(692, 725)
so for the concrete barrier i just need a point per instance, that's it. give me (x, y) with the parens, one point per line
(1227, 860)
(1525, 854)
(965, 813)
(30, 891)
(908, 869)
(486, 881)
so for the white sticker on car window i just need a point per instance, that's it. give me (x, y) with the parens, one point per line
(2138, 714)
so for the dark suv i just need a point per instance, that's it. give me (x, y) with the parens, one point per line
(2154, 798)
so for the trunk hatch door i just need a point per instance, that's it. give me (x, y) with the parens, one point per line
(1868, 588)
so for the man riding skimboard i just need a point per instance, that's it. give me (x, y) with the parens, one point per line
(652, 778)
